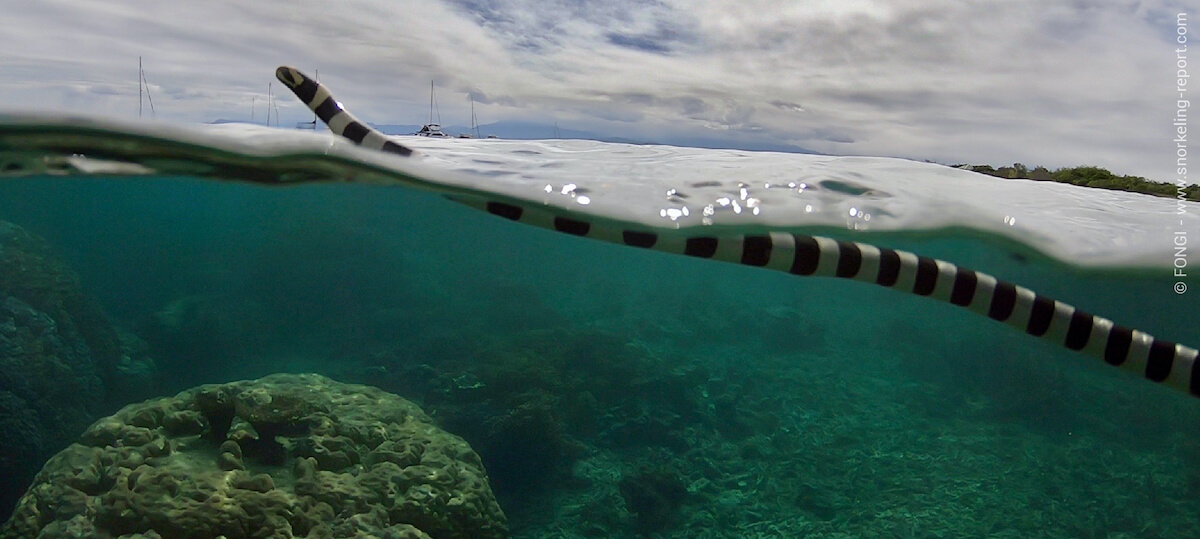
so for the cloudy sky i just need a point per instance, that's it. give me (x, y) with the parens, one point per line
(1056, 82)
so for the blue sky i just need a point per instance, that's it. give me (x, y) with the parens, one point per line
(1057, 83)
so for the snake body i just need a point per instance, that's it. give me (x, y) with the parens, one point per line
(1157, 360)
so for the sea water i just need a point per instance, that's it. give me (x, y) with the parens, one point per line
(772, 405)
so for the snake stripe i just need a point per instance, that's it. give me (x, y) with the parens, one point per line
(849, 260)
(1158, 360)
(639, 239)
(703, 247)
(571, 226)
(1116, 349)
(927, 274)
(1080, 330)
(807, 255)
(327, 109)
(965, 283)
(756, 250)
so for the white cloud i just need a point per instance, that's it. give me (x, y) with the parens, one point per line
(1087, 81)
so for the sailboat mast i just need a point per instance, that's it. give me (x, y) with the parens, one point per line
(430, 101)
(474, 121)
(143, 85)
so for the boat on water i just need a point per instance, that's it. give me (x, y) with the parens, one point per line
(432, 129)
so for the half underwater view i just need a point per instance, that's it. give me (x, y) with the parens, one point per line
(243, 331)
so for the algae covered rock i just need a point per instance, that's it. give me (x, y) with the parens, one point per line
(62, 362)
(283, 456)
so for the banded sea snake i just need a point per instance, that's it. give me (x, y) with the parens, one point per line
(1158, 360)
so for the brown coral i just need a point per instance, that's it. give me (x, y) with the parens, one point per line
(284, 456)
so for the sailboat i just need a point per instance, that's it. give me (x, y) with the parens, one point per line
(432, 129)
(474, 123)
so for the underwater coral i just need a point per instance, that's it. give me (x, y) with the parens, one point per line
(283, 456)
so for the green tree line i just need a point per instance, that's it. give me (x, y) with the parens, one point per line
(1089, 176)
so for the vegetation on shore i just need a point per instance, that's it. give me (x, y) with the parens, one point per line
(1089, 176)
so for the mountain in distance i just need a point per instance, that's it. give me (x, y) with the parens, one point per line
(531, 131)
(509, 130)
(220, 121)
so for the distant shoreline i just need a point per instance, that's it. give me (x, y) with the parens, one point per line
(1089, 176)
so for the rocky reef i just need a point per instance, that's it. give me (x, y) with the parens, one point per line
(280, 457)
(62, 363)
(655, 496)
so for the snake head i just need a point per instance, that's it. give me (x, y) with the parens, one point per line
(290, 76)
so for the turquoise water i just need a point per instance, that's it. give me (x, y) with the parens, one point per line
(615, 392)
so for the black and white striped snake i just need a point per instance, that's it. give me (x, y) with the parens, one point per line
(1156, 359)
